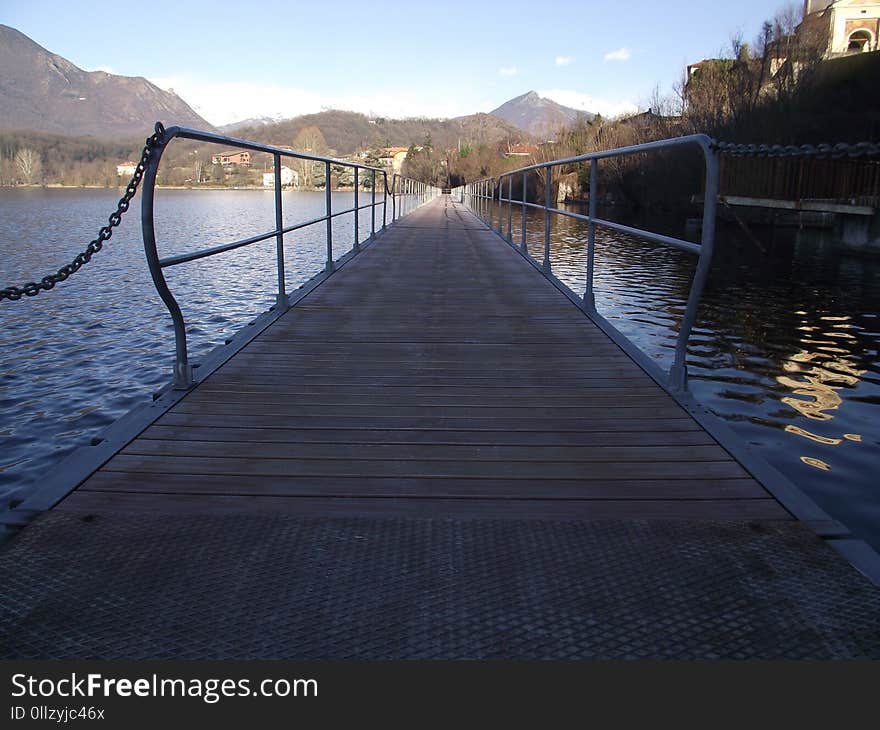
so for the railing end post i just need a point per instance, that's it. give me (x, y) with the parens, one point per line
(678, 379)
(183, 376)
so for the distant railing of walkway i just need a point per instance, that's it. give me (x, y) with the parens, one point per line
(489, 189)
(404, 193)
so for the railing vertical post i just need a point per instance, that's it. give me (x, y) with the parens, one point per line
(281, 298)
(357, 242)
(525, 248)
(328, 206)
(548, 197)
(385, 198)
(589, 296)
(678, 372)
(510, 209)
(500, 187)
(373, 206)
(183, 371)
(393, 198)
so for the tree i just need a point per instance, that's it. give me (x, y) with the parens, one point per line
(7, 172)
(309, 140)
(29, 165)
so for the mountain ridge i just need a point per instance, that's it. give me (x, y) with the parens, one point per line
(540, 117)
(346, 132)
(41, 91)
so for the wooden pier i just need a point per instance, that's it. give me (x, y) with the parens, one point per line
(433, 454)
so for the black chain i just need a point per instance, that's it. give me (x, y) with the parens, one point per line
(819, 151)
(31, 289)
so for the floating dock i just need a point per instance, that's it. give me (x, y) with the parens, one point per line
(433, 454)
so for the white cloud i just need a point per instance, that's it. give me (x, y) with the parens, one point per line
(621, 54)
(226, 102)
(564, 60)
(508, 71)
(587, 103)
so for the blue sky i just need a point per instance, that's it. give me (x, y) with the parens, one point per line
(232, 60)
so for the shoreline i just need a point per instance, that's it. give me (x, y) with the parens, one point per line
(60, 186)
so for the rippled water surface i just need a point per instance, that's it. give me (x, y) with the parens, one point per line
(77, 358)
(785, 349)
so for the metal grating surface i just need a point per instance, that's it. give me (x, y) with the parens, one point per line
(172, 586)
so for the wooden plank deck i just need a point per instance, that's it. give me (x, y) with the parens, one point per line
(436, 374)
(433, 455)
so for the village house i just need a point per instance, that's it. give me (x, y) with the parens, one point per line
(234, 157)
(521, 150)
(843, 27)
(393, 157)
(126, 168)
(289, 178)
(836, 29)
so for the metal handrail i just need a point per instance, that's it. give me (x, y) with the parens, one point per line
(492, 188)
(400, 200)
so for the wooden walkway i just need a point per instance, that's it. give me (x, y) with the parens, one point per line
(437, 374)
(434, 454)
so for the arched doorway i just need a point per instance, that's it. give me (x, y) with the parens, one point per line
(859, 42)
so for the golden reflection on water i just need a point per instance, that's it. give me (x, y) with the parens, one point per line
(790, 428)
(818, 463)
(816, 374)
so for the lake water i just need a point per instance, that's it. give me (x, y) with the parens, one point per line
(785, 348)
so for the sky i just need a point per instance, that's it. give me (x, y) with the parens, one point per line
(237, 60)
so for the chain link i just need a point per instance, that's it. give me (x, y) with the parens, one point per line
(819, 151)
(31, 289)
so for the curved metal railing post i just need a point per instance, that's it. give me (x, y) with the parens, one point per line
(525, 175)
(183, 379)
(678, 380)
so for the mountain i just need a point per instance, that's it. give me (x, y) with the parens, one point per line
(245, 123)
(346, 132)
(540, 117)
(43, 92)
